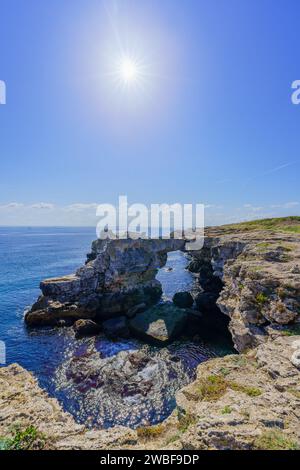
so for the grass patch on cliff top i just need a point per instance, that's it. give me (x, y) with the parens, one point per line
(214, 387)
(261, 298)
(275, 440)
(284, 224)
(150, 432)
(27, 439)
(185, 421)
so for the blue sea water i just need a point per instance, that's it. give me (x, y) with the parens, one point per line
(28, 255)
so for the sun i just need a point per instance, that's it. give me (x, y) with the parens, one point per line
(129, 70)
(129, 73)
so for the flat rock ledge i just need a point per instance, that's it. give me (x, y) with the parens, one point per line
(246, 401)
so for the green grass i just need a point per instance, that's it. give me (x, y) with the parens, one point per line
(285, 224)
(173, 438)
(224, 371)
(250, 391)
(27, 439)
(226, 410)
(275, 440)
(149, 432)
(261, 298)
(185, 421)
(214, 387)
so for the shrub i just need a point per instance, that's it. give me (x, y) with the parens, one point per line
(184, 421)
(150, 431)
(28, 439)
(261, 298)
(212, 387)
(250, 391)
(226, 410)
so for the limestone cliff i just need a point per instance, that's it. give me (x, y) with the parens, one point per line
(118, 275)
(259, 274)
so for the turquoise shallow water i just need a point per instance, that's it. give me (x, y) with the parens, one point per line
(28, 255)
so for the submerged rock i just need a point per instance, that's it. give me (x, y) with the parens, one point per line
(159, 324)
(86, 328)
(116, 328)
(137, 309)
(183, 299)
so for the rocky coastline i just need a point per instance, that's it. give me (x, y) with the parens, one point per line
(248, 283)
(252, 277)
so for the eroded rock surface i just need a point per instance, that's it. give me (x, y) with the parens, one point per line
(118, 276)
(247, 401)
(255, 280)
(23, 403)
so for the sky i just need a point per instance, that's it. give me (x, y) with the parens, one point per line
(208, 120)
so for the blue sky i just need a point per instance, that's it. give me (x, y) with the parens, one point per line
(212, 122)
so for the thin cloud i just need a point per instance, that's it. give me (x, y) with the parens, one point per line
(11, 205)
(286, 205)
(42, 205)
(79, 207)
(253, 208)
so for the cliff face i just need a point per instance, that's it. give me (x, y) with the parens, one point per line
(260, 290)
(118, 275)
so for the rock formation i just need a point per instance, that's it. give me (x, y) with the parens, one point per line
(254, 279)
(251, 276)
(159, 324)
(118, 276)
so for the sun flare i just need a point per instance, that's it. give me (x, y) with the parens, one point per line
(129, 70)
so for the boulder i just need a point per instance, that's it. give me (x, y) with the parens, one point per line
(183, 299)
(206, 302)
(116, 328)
(86, 328)
(160, 324)
(137, 309)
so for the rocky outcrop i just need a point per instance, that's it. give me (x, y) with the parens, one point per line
(118, 276)
(242, 402)
(160, 324)
(247, 401)
(86, 328)
(183, 299)
(23, 403)
(254, 279)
